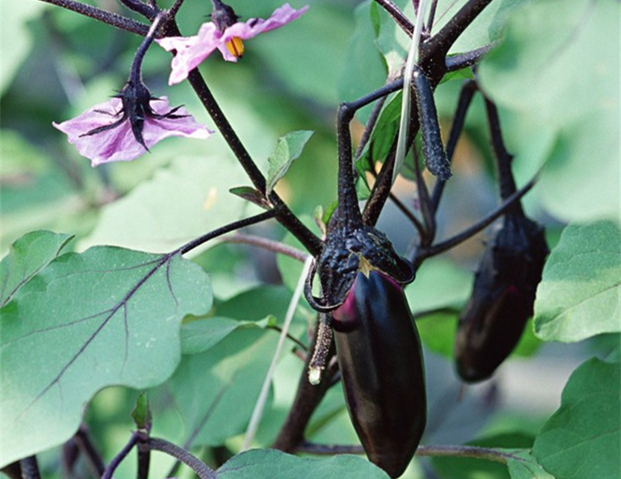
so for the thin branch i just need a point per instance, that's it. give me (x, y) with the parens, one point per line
(463, 104)
(224, 230)
(83, 440)
(398, 16)
(200, 468)
(30, 468)
(119, 457)
(475, 452)
(141, 8)
(424, 253)
(267, 244)
(439, 45)
(468, 59)
(110, 18)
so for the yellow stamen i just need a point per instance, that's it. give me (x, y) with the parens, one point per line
(235, 46)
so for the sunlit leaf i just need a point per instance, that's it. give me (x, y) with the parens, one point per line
(109, 316)
(582, 439)
(580, 293)
(28, 255)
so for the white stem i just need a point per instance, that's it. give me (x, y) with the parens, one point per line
(404, 123)
(255, 419)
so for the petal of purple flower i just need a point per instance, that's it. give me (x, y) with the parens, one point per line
(191, 51)
(119, 143)
(254, 26)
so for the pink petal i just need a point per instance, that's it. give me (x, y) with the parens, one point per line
(254, 26)
(191, 51)
(119, 144)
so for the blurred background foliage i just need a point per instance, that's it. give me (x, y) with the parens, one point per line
(55, 64)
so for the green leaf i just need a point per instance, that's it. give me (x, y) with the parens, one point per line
(200, 335)
(580, 292)
(141, 413)
(15, 33)
(525, 466)
(28, 255)
(274, 464)
(213, 393)
(251, 194)
(363, 70)
(106, 317)
(178, 204)
(536, 68)
(582, 439)
(288, 149)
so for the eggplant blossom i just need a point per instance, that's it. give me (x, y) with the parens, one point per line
(127, 125)
(224, 33)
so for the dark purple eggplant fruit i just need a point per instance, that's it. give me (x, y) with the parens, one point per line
(502, 299)
(381, 364)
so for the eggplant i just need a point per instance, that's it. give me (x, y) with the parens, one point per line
(502, 300)
(381, 363)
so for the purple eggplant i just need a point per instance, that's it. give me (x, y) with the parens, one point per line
(381, 364)
(502, 299)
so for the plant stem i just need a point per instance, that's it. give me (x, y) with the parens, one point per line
(30, 468)
(267, 244)
(475, 452)
(141, 8)
(110, 18)
(423, 253)
(224, 230)
(307, 398)
(463, 103)
(200, 468)
(506, 183)
(109, 471)
(398, 16)
(83, 440)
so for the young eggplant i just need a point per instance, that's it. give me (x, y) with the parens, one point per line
(502, 299)
(381, 364)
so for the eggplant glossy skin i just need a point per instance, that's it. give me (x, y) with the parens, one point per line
(502, 299)
(381, 364)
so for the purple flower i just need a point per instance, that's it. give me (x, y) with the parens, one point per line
(123, 128)
(224, 33)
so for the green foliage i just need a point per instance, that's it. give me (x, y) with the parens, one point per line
(581, 440)
(524, 466)
(278, 465)
(288, 149)
(539, 65)
(580, 292)
(86, 321)
(27, 256)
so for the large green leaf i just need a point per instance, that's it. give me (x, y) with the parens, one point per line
(214, 392)
(580, 292)
(109, 316)
(582, 439)
(558, 86)
(28, 255)
(272, 464)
